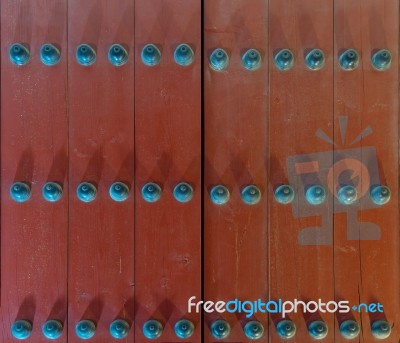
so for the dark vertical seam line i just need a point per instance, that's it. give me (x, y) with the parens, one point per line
(202, 171)
(268, 114)
(333, 157)
(68, 158)
(133, 187)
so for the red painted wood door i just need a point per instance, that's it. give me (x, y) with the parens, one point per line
(186, 171)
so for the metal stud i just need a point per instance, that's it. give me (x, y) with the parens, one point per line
(347, 195)
(254, 330)
(52, 191)
(318, 329)
(150, 55)
(251, 59)
(316, 195)
(380, 195)
(315, 59)
(284, 194)
(119, 328)
(19, 54)
(85, 55)
(349, 329)
(251, 195)
(21, 329)
(184, 328)
(86, 192)
(49, 54)
(284, 59)
(183, 192)
(183, 55)
(117, 55)
(219, 195)
(151, 192)
(286, 329)
(381, 329)
(219, 59)
(119, 191)
(85, 329)
(381, 60)
(349, 59)
(52, 329)
(152, 329)
(20, 191)
(220, 329)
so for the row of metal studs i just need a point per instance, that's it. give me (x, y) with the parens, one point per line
(183, 192)
(86, 329)
(184, 54)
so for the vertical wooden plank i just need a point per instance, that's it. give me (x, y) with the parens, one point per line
(34, 151)
(101, 151)
(167, 141)
(301, 103)
(366, 235)
(235, 141)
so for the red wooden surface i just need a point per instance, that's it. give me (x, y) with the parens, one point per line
(34, 150)
(235, 141)
(367, 270)
(300, 104)
(101, 142)
(167, 151)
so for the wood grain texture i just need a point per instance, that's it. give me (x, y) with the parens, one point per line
(101, 109)
(33, 150)
(235, 152)
(168, 151)
(301, 102)
(367, 270)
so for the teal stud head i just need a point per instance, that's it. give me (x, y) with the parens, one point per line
(85, 55)
(381, 329)
(349, 329)
(19, 54)
(183, 192)
(347, 195)
(286, 329)
(51, 191)
(49, 54)
(284, 194)
(220, 329)
(315, 59)
(318, 329)
(183, 55)
(219, 195)
(21, 329)
(184, 328)
(150, 55)
(284, 60)
(381, 60)
(152, 329)
(119, 191)
(86, 192)
(316, 195)
(349, 59)
(151, 192)
(380, 195)
(52, 329)
(219, 59)
(117, 55)
(251, 195)
(20, 191)
(119, 328)
(85, 329)
(251, 59)
(254, 330)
